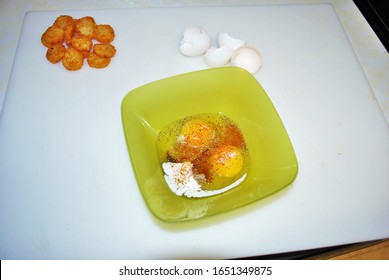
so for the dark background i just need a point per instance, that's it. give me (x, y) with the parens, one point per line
(377, 15)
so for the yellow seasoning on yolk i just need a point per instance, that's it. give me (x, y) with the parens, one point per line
(198, 133)
(226, 161)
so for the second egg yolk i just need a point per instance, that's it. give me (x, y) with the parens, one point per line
(198, 133)
(226, 161)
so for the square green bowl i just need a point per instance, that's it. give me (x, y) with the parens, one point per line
(230, 91)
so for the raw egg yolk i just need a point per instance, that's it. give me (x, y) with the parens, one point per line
(198, 133)
(226, 161)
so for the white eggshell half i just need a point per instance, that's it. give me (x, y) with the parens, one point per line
(247, 58)
(215, 57)
(223, 39)
(195, 42)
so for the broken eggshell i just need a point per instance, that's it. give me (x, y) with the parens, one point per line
(195, 41)
(223, 39)
(215, 57)
(248, 58)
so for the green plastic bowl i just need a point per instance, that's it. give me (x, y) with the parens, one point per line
(231, 91)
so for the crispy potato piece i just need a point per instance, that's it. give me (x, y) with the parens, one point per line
(85, 26)
(104, 50)
(52, 36)
(97, 61)
(55, 53)
(82, 43)
(104, 33)
(85, 54)
(73, 59)
(79, 35)
(64, 21)
(69, 31)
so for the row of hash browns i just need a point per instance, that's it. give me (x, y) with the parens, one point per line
(71, 40)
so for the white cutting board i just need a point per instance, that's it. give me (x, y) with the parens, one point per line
(67, 189)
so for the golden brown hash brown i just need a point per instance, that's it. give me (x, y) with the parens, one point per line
(104, 33)
(72, 40)
(69, 31)
(97, 61)
(55, 53)
(52, 36)
(73, 59)
(104, 50)
(86, 27)
(64, 21)
(81, 43)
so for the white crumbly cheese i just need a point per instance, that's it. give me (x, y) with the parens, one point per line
(181, 181)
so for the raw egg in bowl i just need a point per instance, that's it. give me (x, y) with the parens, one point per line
(218, 124)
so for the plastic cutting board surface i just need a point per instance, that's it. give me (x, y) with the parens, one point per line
(67, 189)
